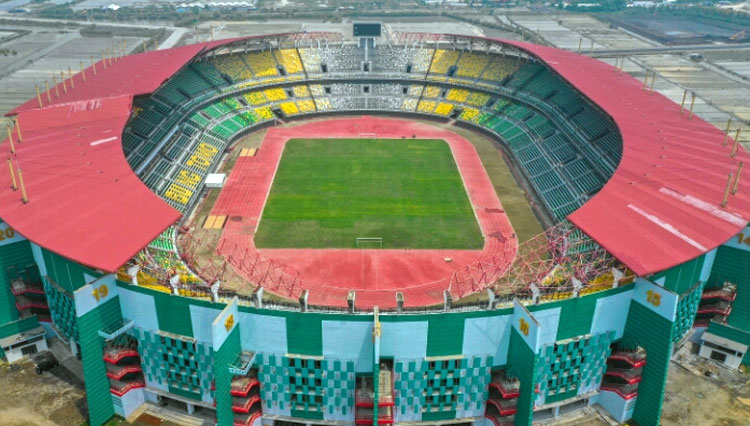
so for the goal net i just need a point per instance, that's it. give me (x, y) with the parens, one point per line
(368, 135)
(369, 242)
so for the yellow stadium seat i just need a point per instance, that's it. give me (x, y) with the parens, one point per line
(470, 114)
(431, 92)
(410, 104)
(322, 104)
(443, 108)
(178, 194)
(478, 99)
(234, 67)
(255, 98)
(301, 91)
(264, 113)
(443, 60)
(415, 90)
(262, 64)
(457, 95)
(471, 64)
(426, 106)
(188, 179)
(290, 60)
(500, 68)
(289, 108)
(275, 94)
(306, 105)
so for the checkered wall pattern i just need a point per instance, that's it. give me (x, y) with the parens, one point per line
(573, 366)
(686, 310)
(183, 365)
(300, 384)
(62, 309)
(447, 385)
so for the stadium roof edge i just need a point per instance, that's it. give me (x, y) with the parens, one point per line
(663, 205)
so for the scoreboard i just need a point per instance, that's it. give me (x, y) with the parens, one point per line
(367, 29)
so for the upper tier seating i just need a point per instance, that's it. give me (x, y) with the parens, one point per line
(262, 64)
(290, 60)
(471, 64)
(443, 61)
(500, 68)
(234, 67)
(209, 72)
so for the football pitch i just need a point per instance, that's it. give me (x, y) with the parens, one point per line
(327, 193)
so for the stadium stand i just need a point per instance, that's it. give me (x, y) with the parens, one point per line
(209, 72)
(274, 95)
(234, 67)
(522, 105)
(443, 61)
(289, 59)
(457, 95)
(471, 65)
(500, 68)
(301, 91)
(306, 106)
(262, 64)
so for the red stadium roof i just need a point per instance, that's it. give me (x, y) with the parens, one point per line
(85, 202)
(662, 207)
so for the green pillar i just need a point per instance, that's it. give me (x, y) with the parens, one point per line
(226, 345)
(97, 307)
(523, 359)
(649, 325)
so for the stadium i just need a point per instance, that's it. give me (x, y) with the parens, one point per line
(295, 229)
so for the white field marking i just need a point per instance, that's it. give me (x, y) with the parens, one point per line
(705, 206)
(667, 227)
(101, 141)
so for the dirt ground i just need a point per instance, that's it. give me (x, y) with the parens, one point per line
(51, 399)
(691, 399)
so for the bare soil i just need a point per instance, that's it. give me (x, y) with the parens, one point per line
(692, 399)
(50, 399)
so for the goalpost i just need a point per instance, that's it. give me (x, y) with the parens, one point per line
(365, 241)
(368, 135)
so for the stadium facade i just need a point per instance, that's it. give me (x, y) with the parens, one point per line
(646, 206)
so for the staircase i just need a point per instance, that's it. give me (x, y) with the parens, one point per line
(716, 305)
(624, 372)
(500, 407)
(364, 399)
(123, 364)
(246, 404)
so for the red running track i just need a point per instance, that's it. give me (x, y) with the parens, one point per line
(375, 275)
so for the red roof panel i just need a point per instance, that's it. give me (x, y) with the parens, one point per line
(85, 202)
(662, 207)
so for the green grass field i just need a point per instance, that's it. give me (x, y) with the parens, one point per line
(328, 192)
